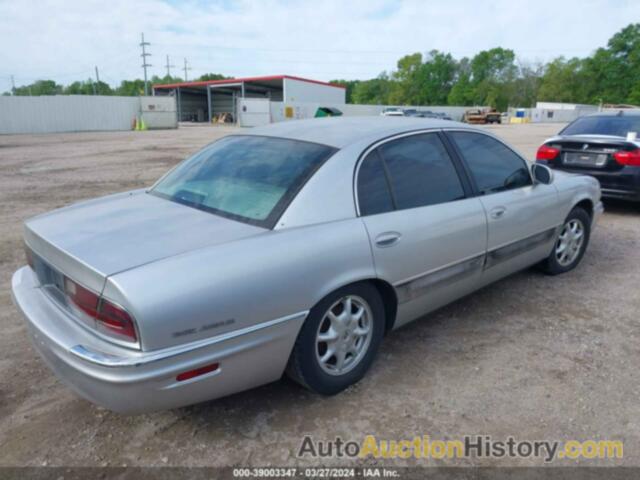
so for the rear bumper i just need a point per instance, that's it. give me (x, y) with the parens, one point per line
(130, 381)
(598, 210)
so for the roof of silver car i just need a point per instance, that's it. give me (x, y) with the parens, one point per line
(621, 112)
(342, 131)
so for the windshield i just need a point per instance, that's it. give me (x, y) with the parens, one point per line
(618, 126)
(247, 178)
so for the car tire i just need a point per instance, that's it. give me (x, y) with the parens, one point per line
(328, 319)
(571, 243)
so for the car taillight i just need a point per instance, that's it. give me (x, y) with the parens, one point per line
(628, 157)
(84, 299)
(116, 321)
(110, 319)
(546, 152)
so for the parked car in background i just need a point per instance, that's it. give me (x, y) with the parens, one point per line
(392, 112)
(425, 114)
(603, 145)
(293, 247)
(442, 116)
(419, 113)
(482, 116)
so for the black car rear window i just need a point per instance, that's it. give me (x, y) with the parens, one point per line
(243, 177)
(617, 126)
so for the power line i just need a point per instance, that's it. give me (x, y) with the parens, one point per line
(185, 70)
(169, 67)
(144, 63)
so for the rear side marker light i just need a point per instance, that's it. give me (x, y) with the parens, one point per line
(197, 372)
(546, 152)
(628, 157)
(110, 318)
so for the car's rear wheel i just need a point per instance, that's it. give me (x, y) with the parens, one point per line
(338, 340)
(571, 243)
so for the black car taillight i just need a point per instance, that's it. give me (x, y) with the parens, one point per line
(545, 152)
(628, 157)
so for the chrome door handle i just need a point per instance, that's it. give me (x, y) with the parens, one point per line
(498, 212)
(387, 239)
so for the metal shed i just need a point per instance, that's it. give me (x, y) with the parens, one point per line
(202, 101)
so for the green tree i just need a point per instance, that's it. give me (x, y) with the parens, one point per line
(492, 71)
(564, 81)
(156, 80)
(612, 72)
(88, 87)
(349, 86)
(40, 87)
(373, 92)
(523, 91)
(436, 78)
(462, 91)
(406, 85)
(212, 76)
(131, 88)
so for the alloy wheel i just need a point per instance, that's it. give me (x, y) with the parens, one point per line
(570, 242)
(344, 335)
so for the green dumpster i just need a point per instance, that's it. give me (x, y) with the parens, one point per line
(327, 112)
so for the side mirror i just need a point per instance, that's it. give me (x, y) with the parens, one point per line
(542, 174)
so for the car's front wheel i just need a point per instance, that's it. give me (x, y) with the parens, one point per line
(338, 340)
(571, 243)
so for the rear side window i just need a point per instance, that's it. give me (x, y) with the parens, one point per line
(420, 171)
(373, 189)
(494, 167)
(246, 178)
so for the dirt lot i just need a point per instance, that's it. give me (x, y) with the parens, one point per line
(532, 356)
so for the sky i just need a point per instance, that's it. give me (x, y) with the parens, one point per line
(319, 39)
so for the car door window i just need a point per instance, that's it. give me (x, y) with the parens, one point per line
(494, 167)
(420, 171)
(373, 189)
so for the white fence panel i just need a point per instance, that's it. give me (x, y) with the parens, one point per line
(254, 112)
(80, 113)
(298, 110)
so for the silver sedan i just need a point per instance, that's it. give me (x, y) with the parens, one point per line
(294, 247)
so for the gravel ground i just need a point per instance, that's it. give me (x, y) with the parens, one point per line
(533, 357)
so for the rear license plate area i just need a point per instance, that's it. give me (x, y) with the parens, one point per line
(49, 278)
(585, 159)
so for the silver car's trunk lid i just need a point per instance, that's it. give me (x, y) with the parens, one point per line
(92, 240)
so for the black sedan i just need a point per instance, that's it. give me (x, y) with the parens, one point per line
(604, 146)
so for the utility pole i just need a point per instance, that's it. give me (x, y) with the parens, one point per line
(96, 84)
(13, 86)
(185, 69)
(169, 67)
(144, 63)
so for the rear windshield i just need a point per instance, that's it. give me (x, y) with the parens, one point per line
(247, 178)
(604, 125)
